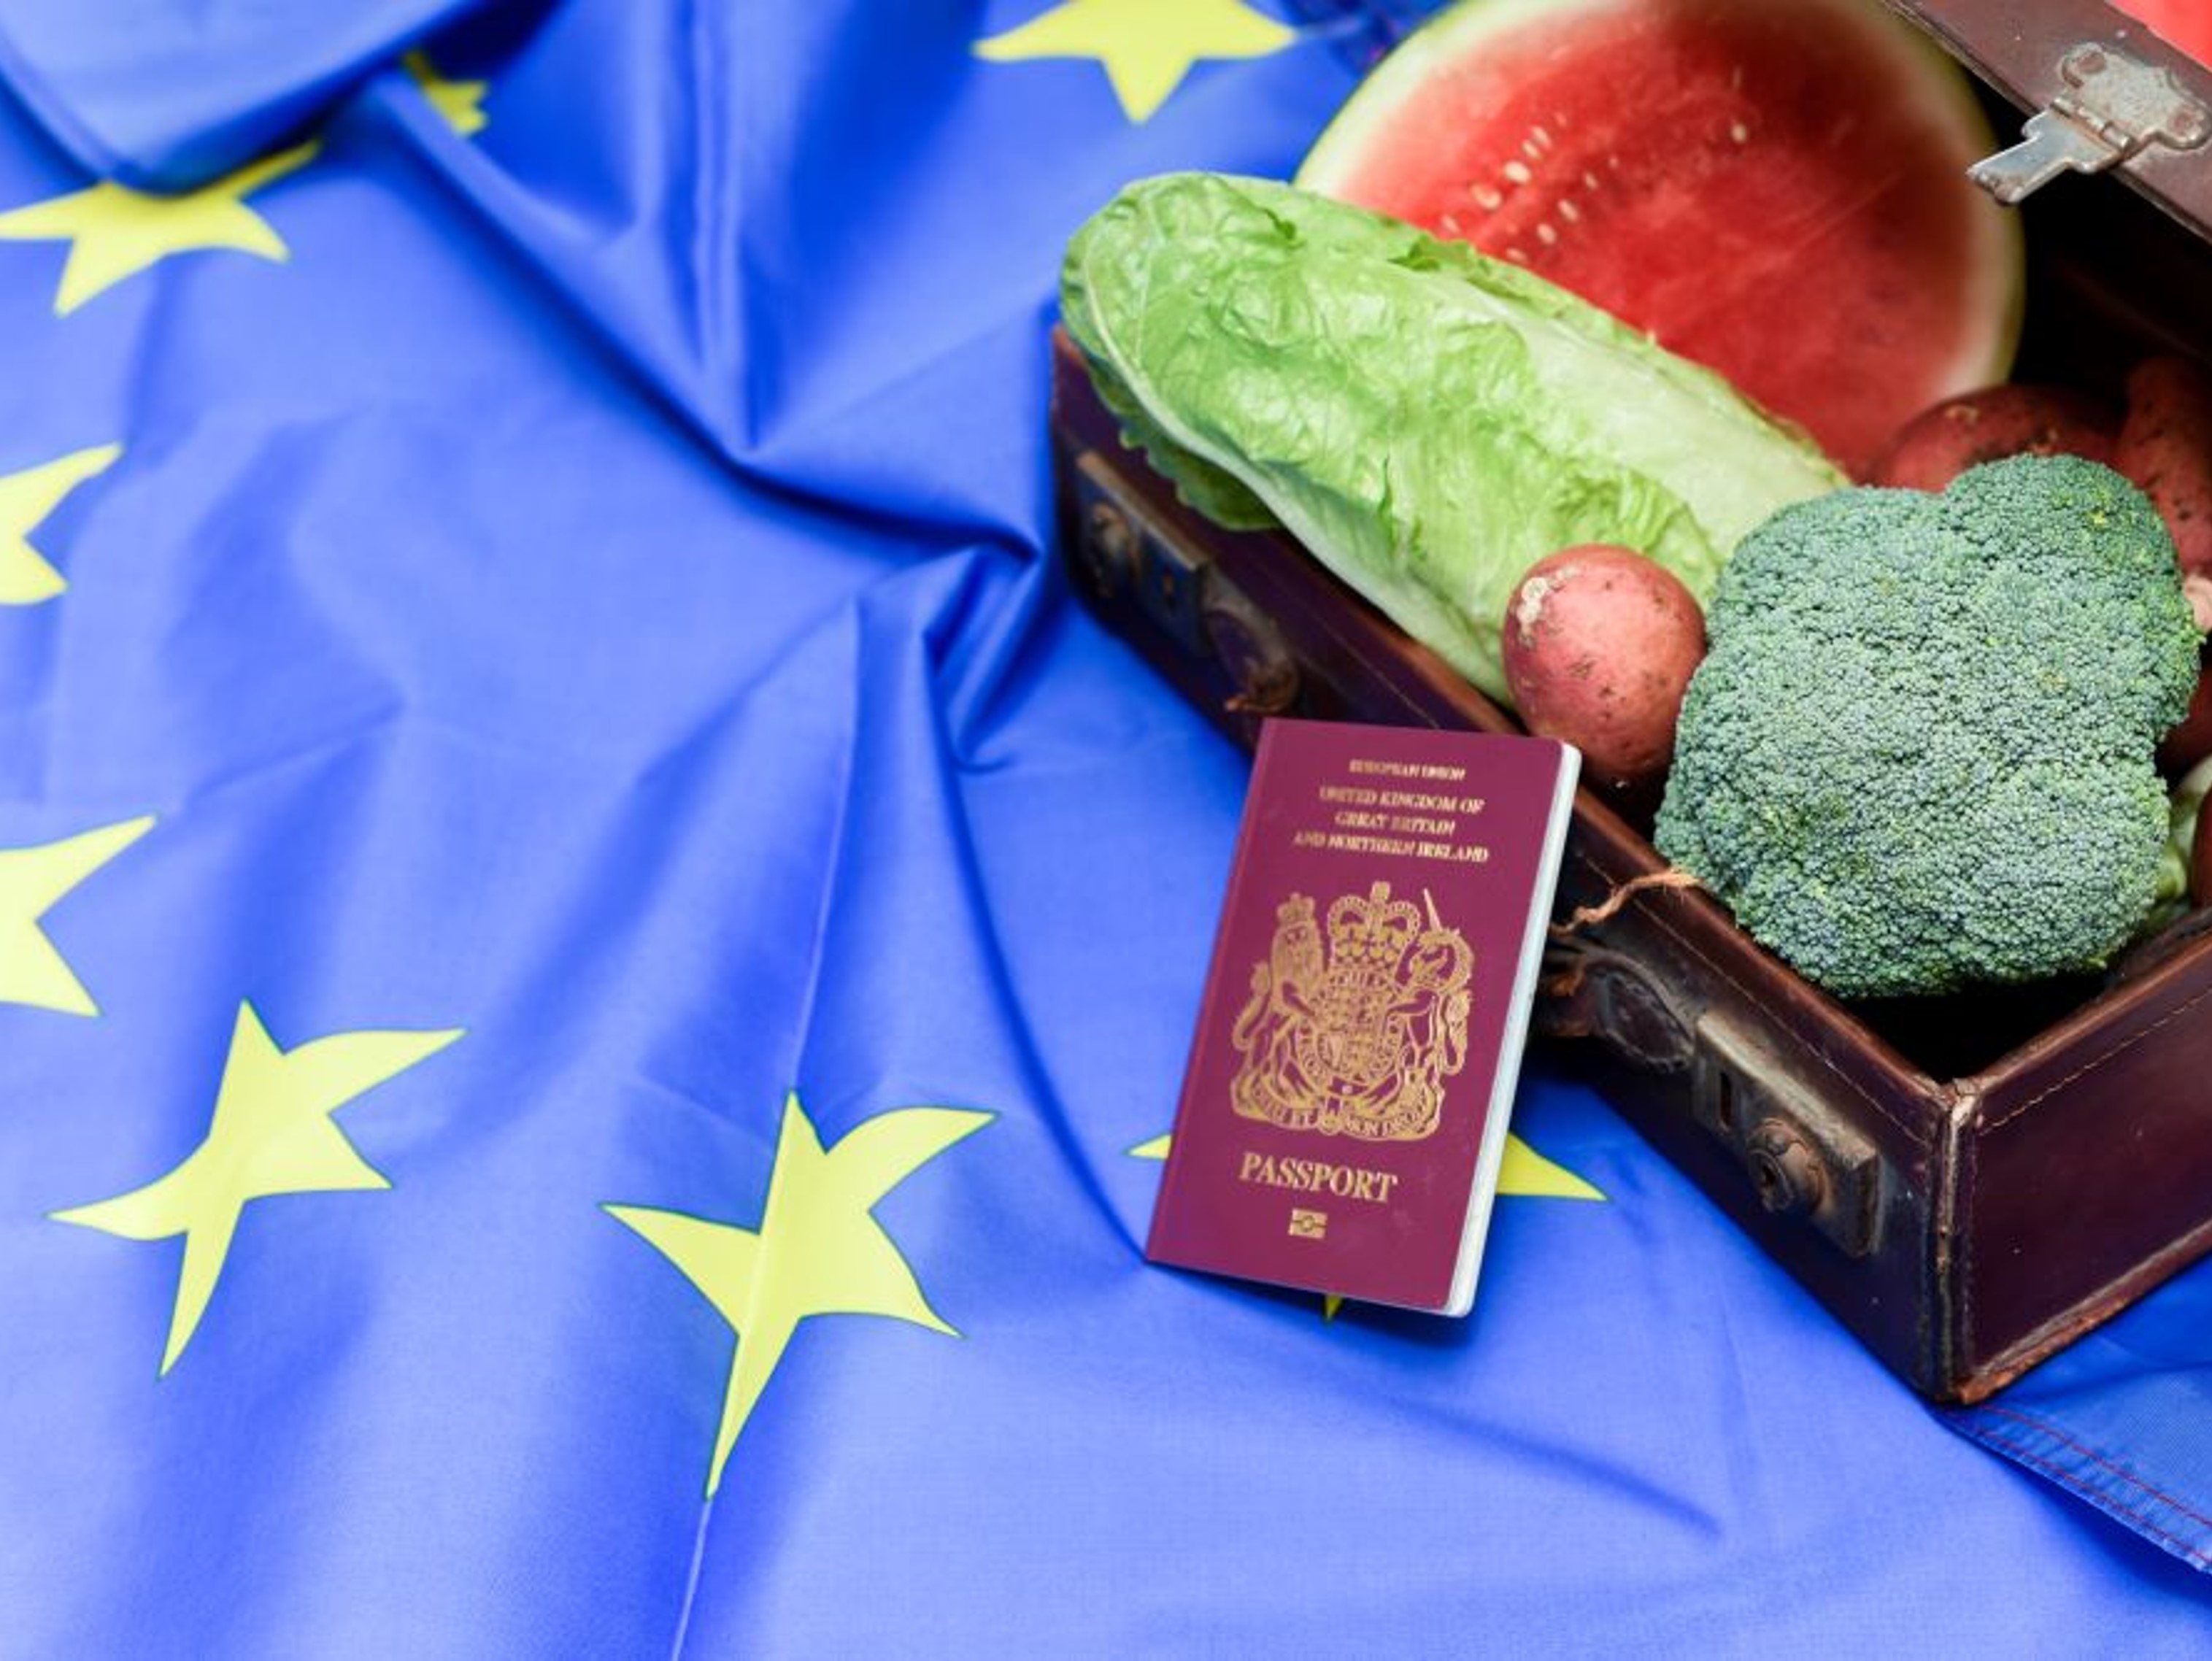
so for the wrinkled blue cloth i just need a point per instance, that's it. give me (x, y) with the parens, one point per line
(593, 594)
(168, 96)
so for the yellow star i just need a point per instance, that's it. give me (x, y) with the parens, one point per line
(33, 881)
(272, 1133)
(1523, 1171)
(1147, 46)
(460, 102)
(818, 1249)
(26, 498)
(114, 232)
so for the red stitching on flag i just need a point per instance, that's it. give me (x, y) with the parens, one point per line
(2120, 1471)
(2098, 1498)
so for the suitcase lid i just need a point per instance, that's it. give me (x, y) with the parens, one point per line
(2103, 91)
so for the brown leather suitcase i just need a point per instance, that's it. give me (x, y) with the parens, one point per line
(1967, 1184)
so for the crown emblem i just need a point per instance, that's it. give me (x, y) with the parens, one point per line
(1354, 1035)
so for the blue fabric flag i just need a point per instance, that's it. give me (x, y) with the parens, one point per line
(2120, 1419)
(168, 97)
(594, 955)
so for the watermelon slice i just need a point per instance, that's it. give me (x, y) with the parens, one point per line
(1774, 188)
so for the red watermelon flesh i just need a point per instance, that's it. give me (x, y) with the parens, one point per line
(1774, 188)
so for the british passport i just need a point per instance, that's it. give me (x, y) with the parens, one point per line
(1345, 1108)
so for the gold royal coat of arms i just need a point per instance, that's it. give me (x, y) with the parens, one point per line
(1354, 1037)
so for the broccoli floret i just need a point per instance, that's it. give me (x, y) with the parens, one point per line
(1918, 752)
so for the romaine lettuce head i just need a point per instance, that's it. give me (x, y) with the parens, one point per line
(1428, 421)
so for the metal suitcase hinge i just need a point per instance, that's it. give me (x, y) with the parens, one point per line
(2113, 107)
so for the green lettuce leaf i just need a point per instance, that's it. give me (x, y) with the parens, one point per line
(1427, 421)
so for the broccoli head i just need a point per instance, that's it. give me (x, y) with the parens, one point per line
(1918, 752)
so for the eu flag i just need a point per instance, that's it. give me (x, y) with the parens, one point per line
(594, 956)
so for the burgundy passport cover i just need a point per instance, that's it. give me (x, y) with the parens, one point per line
(1344, 1111)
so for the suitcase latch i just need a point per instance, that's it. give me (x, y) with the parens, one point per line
(1591, 992)
(1803, 1160)
(2113, 106)
(1123, 547)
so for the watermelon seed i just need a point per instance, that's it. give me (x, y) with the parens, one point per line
(1519, 254)
(1451, 223)
(1530, 148)
(1590, 179)
(1547, 235)
(1739, 132)
(1559, 119)
(1569, 212)
(1516, 172)
(1487, 198)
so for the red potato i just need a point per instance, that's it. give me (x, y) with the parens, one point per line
(2166, 449)
(2197, 589)
(2192, 741)
(1944, 440)
(1600, 643)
